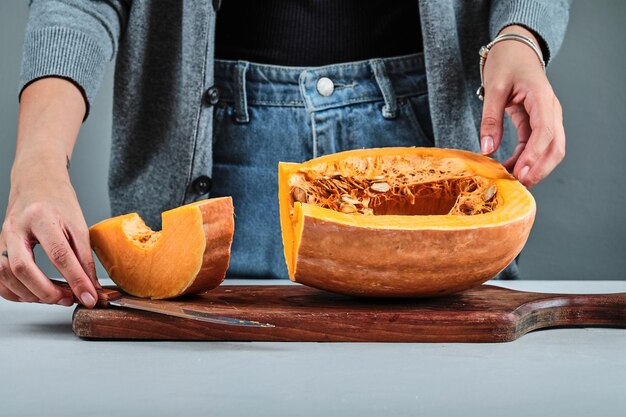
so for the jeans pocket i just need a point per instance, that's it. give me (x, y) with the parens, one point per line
(417, 111)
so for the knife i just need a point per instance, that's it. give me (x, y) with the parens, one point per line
(110, 297)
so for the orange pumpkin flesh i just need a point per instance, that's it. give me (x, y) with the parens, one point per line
(188, 256)
(401, 222)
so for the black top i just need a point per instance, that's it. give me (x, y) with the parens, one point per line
(316, 32)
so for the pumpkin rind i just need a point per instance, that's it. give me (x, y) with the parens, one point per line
(403, 255)
(190, 255)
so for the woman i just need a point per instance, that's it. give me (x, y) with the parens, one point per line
(201, 112)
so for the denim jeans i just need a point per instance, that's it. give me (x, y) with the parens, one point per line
(268, 114)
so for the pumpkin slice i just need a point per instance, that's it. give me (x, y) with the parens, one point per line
(401, 222)
(188, 256)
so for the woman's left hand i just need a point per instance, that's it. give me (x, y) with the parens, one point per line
(515, 82)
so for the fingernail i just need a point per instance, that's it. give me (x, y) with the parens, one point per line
(87, 299)
(66, 301)
(487, 145)
(523, 172)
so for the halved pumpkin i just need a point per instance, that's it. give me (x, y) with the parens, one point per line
(188, 256)
(401, 222)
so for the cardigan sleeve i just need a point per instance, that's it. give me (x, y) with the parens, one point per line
(72, 39)
(546, 18)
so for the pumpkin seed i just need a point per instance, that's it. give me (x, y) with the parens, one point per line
(347, 199)
(380, 187)
(299, 195)
(490, 193)
(347, 208)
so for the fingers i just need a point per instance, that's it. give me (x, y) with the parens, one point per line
(546, 145)
(552, 156)
(491, 126)
(8, 294)
(79, 241)
(55, 241)
(509, 164)
(25, 272)
(10, 287)
(520, 120)
(545, 165)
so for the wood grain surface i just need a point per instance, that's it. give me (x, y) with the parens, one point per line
(482, 314)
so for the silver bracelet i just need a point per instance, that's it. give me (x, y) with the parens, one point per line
(484, 51)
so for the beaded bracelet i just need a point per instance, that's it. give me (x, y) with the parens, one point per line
(484, 51)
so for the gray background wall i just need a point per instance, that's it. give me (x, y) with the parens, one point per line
(580, 231)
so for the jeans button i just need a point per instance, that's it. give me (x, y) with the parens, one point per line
(202, 184)
(325, 86)
(216, 5)
(212, 96)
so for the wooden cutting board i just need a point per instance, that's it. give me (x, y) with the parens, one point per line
(483, 314)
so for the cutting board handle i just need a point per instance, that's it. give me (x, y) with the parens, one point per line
(566, 310)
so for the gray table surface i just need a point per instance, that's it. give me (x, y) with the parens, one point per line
(47, 371)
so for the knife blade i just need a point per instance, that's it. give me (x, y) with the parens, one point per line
(110, 297)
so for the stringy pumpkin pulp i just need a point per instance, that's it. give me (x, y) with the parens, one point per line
(400, 185)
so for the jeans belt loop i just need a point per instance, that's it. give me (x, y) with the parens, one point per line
(384, 83)
(241, 100)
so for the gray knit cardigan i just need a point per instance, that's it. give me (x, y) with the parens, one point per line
(164, 49)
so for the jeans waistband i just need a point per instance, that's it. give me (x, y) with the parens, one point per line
(318, 88)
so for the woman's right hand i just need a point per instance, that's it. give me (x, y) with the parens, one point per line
(43, 207)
